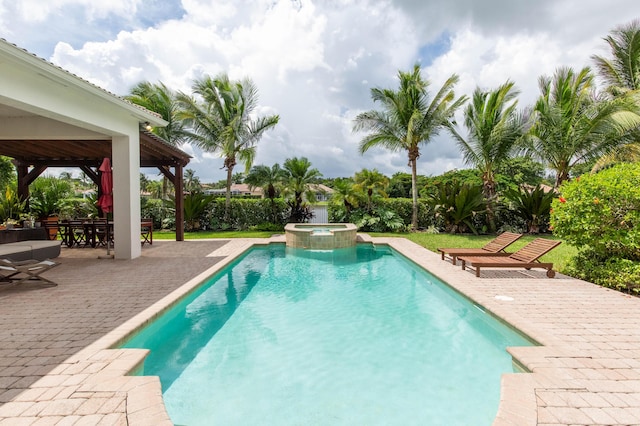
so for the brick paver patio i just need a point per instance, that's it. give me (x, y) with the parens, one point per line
(56, 367)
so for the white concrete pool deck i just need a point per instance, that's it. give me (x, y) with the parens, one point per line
(56, 368)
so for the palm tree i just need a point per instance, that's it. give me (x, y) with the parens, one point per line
(408, 119)
(371, 182)
(494, 126)
(345, 193)
(573, 125)
(221, 121)
(621, 74)
(191, 181)
(164, 101)
(268, 178)
(299, 176)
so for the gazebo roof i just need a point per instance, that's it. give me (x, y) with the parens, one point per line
(154, 152)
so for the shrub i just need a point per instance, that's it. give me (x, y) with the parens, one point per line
(401, 207)
(11, 206)
(47, 195)
(532, 205)
(601, 211)
(613, 272)
(456, 205)
(245, 213)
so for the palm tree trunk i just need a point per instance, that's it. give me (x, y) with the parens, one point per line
(227, 202)
(414, 194)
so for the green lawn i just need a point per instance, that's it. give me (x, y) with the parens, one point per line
(559, 255)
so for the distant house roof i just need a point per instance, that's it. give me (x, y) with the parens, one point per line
(321, 188)
(237, 189)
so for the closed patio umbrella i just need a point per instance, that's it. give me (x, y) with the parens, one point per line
(105, 202)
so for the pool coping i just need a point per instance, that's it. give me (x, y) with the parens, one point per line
(586, 371)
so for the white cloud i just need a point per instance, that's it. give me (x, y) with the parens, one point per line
(314, 62)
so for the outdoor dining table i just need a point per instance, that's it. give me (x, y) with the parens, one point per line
(85, 232)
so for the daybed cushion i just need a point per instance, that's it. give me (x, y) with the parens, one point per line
(15, 251)
(32, 249)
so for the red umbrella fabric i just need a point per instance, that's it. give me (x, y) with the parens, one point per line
(105, 202)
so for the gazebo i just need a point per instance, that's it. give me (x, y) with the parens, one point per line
(52, 118)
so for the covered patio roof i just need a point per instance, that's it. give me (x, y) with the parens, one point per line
(50, 117)
(33, 157)
(154, 152)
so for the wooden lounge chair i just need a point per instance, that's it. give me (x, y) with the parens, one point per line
(494, 247)
(28, 270)
(527, 257)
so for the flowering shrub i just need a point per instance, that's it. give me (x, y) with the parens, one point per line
(600, 214)
(601, 211)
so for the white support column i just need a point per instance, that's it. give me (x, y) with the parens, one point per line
(126, 195)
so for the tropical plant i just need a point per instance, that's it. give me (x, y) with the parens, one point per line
(456, 205)
(573, 125)
(7, 172)
(299, 176)
(372, 183)
(47, 196)
(531, 204)
(493, 126)
(195, 207)
(380, 220)
(223, 121)
(621, 74)
(191, 181)
(11, 206)
(270, 180)
(408, 119)
(345, 198)
(267, 178)
(164, 101)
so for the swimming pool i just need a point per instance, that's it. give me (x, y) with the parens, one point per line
(348, 336)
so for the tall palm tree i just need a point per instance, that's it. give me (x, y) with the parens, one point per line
(574, 125)
(299, 176)
(267, 178)
(621, 74)
(157, 97)
(494, 126)
(221, 121)
(372, 183)
(408, 118)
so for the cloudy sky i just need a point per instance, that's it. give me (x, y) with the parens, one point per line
(315, 61)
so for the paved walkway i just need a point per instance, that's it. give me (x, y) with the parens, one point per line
(56, 368)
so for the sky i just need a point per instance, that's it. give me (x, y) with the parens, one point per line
(315, 62)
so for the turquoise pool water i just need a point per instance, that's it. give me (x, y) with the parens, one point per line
(350, 336)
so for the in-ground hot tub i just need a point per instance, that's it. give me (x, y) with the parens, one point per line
(320, 236)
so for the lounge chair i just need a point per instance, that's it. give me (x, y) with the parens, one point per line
(527, 257)
(28, 270)
(494, 247)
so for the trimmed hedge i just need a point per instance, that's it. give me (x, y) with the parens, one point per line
(246, 213)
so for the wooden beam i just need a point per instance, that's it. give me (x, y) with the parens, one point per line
(167, 173)
(91, 174)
